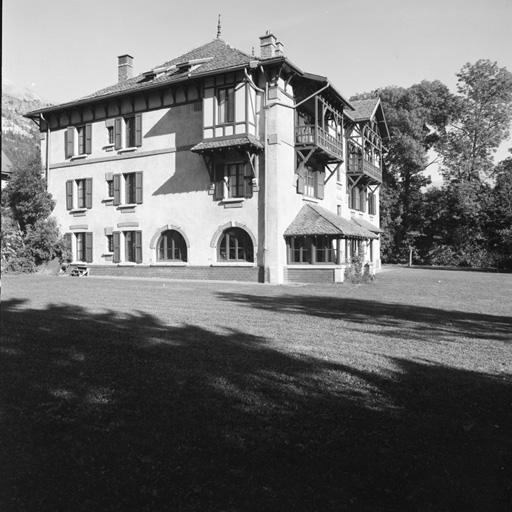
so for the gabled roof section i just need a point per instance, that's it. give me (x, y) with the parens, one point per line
(323, 80)
(213, 57)
(367, 225)
(367, 110)
(315, 220)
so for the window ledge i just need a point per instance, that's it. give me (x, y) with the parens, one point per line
(233, 200)
(80, 263)
(77, 210)
(311, 199)
(127, 264)
(108, 254)
(108, 200)
(315, 266)
(126, 150)
(78, 157)
(169, 264)
(130, 205)
(108, 146)
(233, 264)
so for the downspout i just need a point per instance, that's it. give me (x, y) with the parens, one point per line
(47, 166)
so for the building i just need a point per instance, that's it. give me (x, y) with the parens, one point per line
(217, 165)
(6, 169)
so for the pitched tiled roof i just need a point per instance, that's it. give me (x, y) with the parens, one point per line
(367, 225)
(6, 164)
(222, 57)
(246, 140)
(364, 109)
(315, 220)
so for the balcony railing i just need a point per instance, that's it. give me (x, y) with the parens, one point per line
(311, 134)
(357, 165)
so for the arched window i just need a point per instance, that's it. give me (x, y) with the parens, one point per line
(236, 245)
(172, 247)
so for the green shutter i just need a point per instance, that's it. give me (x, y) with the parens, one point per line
(116, 258)
(69, 194)
(138, 130)
(68, 237)
(219, 182)
(88, 138)
(138, 246)
(248, 175)
(88, 247)
(70, 142)
(88, 193)
(319, 184)
(300, 184)
(138, 187)
(362, 204)
(118, 132)
(117, 189)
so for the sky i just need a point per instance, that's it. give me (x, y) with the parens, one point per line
(67, 49)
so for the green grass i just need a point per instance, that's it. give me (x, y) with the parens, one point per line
(141, 395)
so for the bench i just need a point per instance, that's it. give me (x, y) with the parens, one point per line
(79, 271)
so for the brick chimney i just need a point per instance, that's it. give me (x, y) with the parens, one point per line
(268, 46)
(124, 67)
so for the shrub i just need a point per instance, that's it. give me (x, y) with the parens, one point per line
(357, 273)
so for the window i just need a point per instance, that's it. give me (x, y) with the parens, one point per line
(79, 194)
(131, 242)
(226, 102)
(129, 187)
(77, 141)
(372, 204)
(128, 132)
(172, 247)
(110, 188)
(310, 181)
(311, 250)
(110, 135)
(236, 245)
(110, 243)
(83, 247)
(357, 198)
(233, 181)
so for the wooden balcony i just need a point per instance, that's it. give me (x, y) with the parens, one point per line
(312, 135)
(357, 166)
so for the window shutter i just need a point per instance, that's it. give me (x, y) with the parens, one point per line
(88, 138)
(69, 194)
(116, 238)
(231, 105)
(88, 247)
(138, 246)
(363, 200)
(88, 193)
(138, 130)
(355, 198)
(70, 142)
(300, 184)
(117, 189)
(138, 187)
(118, 132)
(248, 180)
(219, 182)
(319, 184)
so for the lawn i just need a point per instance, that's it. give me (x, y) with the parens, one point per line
(140, 395)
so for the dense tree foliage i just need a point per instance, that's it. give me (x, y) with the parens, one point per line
(468, 221)
(29, 236)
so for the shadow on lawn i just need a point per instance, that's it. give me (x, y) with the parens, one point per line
(425, 323)
(116, 412)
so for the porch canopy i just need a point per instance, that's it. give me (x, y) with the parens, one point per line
(367, 225)
(234, 142)
(313, 220)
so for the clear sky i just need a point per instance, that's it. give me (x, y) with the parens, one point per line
(66, 49)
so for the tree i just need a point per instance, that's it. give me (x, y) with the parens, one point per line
(481, 121)
(416, 117)
(26, 194)
(29, 236)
